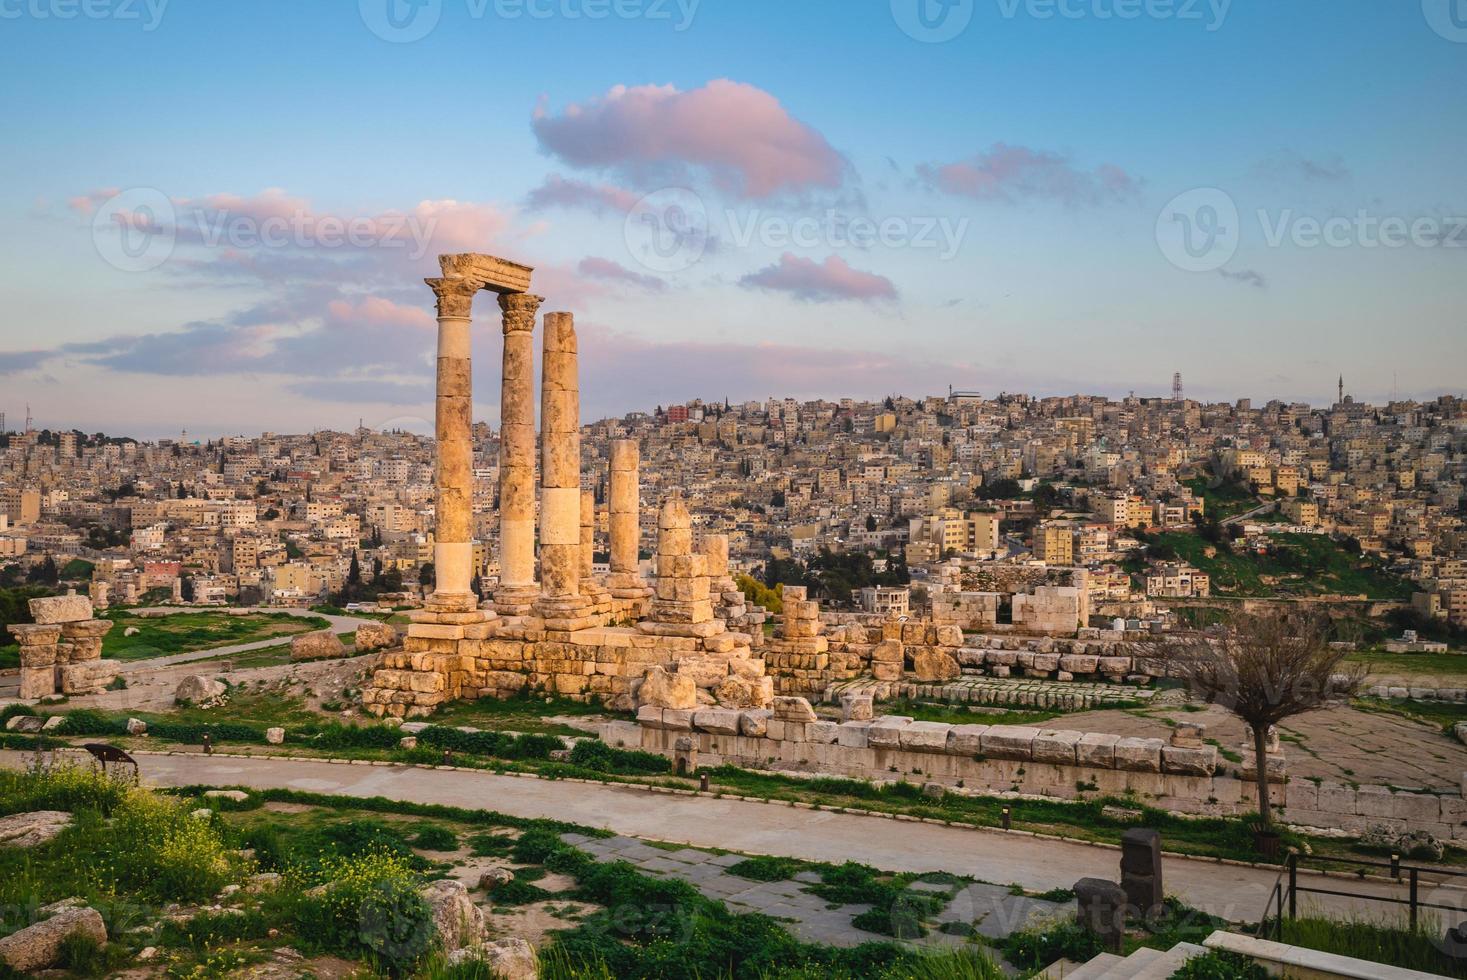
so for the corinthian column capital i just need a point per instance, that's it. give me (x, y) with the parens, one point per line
(519, 311)
(455, 296)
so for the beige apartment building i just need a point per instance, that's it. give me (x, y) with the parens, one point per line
(1054, 544)
(22, 507)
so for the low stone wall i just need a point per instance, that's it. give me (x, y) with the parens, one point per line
(1181, 774)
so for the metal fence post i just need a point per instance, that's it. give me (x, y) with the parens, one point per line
(1413, 898)
(1293, 887)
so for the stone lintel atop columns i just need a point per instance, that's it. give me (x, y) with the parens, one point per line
(493, 273)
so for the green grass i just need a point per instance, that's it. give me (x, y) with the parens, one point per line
(1436, 666)
(525, 713)
(1379, 941)
(1224, 501)
(1443, 714)
(192, 631)
(1301, 564)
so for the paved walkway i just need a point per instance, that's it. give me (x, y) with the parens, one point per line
(339, 624)
(1238, 894)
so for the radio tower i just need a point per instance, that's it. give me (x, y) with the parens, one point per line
(1177, 387)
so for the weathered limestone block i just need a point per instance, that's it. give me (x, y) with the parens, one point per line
(664, 690)
(924, 736)
(794, 709)
(852, 734)
(1139, 754)
(503, 959)
(324, 645)
(1056, 747)
(55, 610)
(888, 651)
(1199, 761)
(929, 664)
(965, 740)
(1078, 664)
(857, 707)
(1009, 742)
(200, 691)
(88, 677)
(717, 721)
(39, 946)
(755, 724)
(885, 732)
(459, 919)
(375, 636)
(1097, 749)
(25, 830)
(822, 732)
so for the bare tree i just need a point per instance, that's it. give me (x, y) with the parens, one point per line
(1265, 667)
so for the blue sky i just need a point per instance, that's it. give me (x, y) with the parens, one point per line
(1038, 174)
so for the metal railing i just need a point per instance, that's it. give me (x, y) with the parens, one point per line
(1284, 896)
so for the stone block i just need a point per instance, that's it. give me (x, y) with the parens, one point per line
(677, 719)
(50, 610)
(885, 732)
(852, 734)
(857, 707)
(1101, 908)
(1056, 747)
(1097, 750)
(1200, 761)
(717, 721)
(755, 724)
(1139, 754)
(965, 740)
(822, 732)
(924, 736)
(794, 709)
(1009, 742)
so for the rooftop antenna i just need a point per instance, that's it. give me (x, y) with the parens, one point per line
(1177, 387)
(29, 422)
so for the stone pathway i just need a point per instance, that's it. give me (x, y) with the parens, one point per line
(992, 909)
(339, 624)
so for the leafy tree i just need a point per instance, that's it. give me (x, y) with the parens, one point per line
(187, 589)
(391, 580)
(45, 572)
(870, 522)
(354, 573)
(427, 575)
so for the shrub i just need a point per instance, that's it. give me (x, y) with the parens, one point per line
(1037, 947)
(371, 907)
(432, 837)
(600, 757)
(61, 787)
(1220, 965)
(166, 853)
(534, 846)
(490, 845)
(765, 869)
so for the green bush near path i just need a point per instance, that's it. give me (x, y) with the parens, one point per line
(1377, 940)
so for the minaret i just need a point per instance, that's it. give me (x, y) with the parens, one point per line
(1341, 400)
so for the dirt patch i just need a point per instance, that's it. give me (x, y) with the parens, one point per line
(534, 923)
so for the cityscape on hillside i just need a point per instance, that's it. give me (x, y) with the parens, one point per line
(733, 490)
(867, 503)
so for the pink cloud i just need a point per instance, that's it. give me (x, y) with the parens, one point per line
(557, 191)
(1009, 173)
(816, 282)
(739, 134)
(599, 268)
(380, 311)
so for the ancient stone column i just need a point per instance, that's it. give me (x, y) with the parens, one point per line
(38, 651)
(516, 590)
(453, 557)
(624, 510)
(560, 474)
